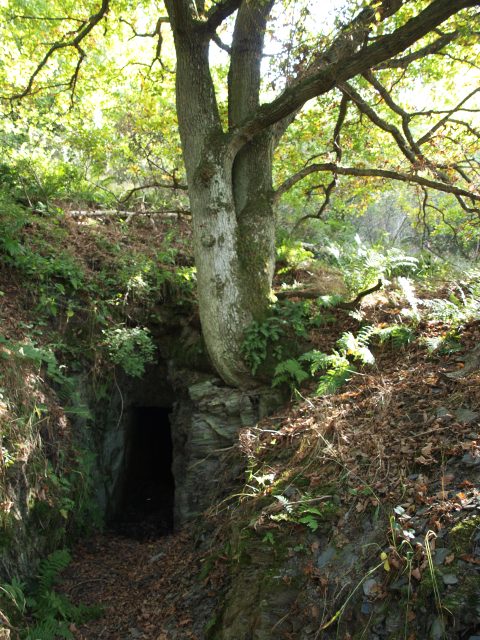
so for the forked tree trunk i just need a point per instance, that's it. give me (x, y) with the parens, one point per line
(230, 198)
(234, 256)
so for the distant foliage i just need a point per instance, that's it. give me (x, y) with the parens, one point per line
(291, 254)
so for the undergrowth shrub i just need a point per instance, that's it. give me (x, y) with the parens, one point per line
(269, 337)
(39, 612)
(60, 498)
(337, 367)
(131, 348)
(461, 305)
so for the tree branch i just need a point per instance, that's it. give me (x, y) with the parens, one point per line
(328, 190)
(311, 294)
(372, 115)
(220, 44)
(48, 18)
(374, 173)
(218, 13)
(155, 32)
(152, 185)
(347, 67)
(409, 147)
(429, 49)
(396, 108)
(445, 119)
(82, 33)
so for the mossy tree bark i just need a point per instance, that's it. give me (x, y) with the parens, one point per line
(230, 185)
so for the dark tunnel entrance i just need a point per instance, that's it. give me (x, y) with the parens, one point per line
(146, 507)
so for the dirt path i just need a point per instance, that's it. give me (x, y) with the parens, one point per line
(147, 589)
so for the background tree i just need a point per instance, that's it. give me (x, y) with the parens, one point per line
(229, 135)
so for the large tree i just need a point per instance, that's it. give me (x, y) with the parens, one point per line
(229, 163)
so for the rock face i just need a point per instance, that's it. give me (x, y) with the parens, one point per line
(18, 545)
(205, 419)
(205, 423)
(114, 421)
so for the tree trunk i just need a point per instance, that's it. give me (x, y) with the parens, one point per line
(230, 197)
(234, 252)
(227, 294)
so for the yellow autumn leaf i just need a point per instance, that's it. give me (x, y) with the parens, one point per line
(386, 564)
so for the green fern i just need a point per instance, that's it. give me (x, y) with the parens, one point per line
(454, 311)
(50, 567)
(337, 368)
(408, 291)
(334, 379)
(53, 612)
(289, 372)
(52, 604)
(318, 360)
(49, 629)
(329, 301)
(357, 346)
(14, 593)
(443, 345)
(398, 334)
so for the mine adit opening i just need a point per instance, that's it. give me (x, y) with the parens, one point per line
(146, 508)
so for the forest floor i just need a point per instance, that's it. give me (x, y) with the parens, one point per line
(406, 433)
(141, 585)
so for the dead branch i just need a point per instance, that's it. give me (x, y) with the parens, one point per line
(175, 185)
(128, 215)
(311, 294)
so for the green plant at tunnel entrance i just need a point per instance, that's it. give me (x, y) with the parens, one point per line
(130, 348)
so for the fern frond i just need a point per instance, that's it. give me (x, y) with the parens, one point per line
(333, 379)
(14, 592)
(356, 346)
(398, 334)
(50, 567)
(364, 335)
(329, 301)
(51, 603)
(289, 371)
(432, 344)
(318, 360)
(365, 355)
(408, 291)
(347, 342)
(49, 629)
